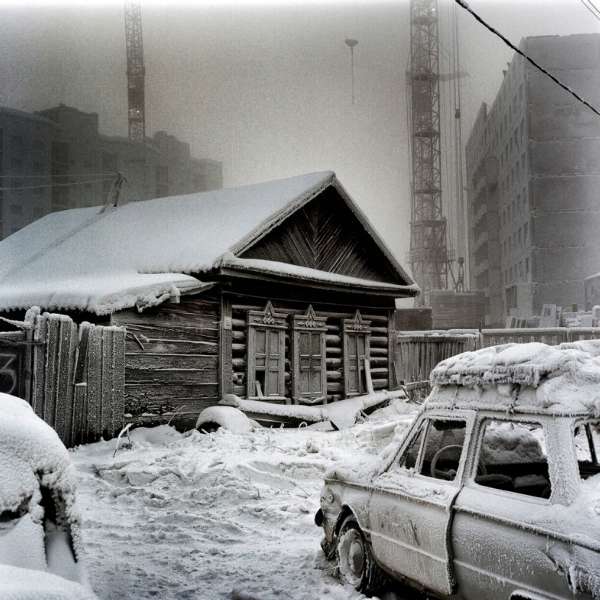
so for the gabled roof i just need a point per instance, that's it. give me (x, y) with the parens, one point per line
(106, 260)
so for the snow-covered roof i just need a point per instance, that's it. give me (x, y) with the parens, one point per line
(106, 260)
(523, 377)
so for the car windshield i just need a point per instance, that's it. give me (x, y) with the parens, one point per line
(587, 448)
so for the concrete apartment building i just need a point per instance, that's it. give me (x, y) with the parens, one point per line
(533, 173)
(62, 149)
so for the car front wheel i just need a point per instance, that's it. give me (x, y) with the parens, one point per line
(356, 564)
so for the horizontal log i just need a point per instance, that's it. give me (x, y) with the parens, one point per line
(333, 351)
(333, 340)
(379, 351)
(238, 363)
(152, 331)
(375, 340)
(380, 382)
(238, 335)
(334, 398)
(379, 371)
(379, 331)
(238, 348)
(165, 392)
(239, 323)
(170, 376)
(165, 361)
(163, 319)
(239, 390)
(332, 388)
(333, 362)
(378, 361)
(334, 375)
(158, 346)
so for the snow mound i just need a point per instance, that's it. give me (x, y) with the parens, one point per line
(565, 377)
(225, 416)
(25, 584)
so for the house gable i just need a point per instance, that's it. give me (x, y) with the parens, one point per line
(325, 234)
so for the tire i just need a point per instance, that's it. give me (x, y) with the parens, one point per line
(355, 561)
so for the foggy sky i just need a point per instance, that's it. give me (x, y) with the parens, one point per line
(266, 88)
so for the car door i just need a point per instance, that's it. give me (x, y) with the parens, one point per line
(410, 507)
(502, 534)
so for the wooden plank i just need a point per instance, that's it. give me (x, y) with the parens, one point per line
(225, 367)
(39, 365)
(162, 346)
(171, 375)
(53, 343)
(61, 404)
(118, 379)
(181, 333)
(106, 334)
(165, 361)
(94, 389)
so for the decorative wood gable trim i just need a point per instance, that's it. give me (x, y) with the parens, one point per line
(267, 317)
(309, 374)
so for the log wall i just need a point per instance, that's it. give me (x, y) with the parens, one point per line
(379, 343)
(171, 360)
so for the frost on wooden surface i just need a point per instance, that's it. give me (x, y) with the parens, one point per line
(561, 379)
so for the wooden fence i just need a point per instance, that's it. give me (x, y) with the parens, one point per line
(73, 376)
(417, 353)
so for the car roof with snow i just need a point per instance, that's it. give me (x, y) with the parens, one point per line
(522, 378)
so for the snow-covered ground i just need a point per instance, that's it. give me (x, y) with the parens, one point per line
(217, 516)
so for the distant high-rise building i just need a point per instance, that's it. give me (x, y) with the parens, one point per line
(57, 159)
(25, 174)
(533, 172)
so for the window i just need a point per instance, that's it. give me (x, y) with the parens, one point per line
(309, 383)
(513, 457)
(442, 449)
(266, 353)
(356, 352)
(408, 460)
(587, 448)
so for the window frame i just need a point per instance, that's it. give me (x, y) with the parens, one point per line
(472, 472)
(267, 320)
(308, 324)
(359, 328)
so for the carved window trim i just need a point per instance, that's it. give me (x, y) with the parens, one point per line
(270, 322)
(360, 329)
(311, 324)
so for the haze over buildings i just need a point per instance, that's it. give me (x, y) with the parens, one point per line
(533, 171)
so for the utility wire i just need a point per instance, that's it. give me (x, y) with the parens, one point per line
(51, 185)
(592, 8)
(106, 174)
(526, 57)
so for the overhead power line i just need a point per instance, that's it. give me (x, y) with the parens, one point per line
(56, 175)
(592, 8)
(51, 185)
(528, 58)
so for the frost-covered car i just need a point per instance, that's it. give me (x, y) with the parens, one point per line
(40, 546)
(493, 493)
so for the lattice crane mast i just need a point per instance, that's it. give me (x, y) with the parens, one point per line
(136, 111)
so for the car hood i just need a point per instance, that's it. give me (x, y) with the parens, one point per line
(361, 469)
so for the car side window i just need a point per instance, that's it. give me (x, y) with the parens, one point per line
(442, 449)
(587, 448)
(513, 458)
(408, 460)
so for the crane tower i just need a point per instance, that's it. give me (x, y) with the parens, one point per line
(428, 255)
(135, 71)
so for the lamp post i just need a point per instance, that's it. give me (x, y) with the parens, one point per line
(351, 44)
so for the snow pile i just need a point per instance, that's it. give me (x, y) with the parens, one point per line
(565, 378)
(33, 459)
(25, 584)
(217, 516)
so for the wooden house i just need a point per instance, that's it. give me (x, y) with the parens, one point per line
(275, 291)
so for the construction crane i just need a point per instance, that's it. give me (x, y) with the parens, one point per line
(136, 112)
(428, 255)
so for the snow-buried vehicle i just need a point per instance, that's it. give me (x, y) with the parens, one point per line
(493, 493)
(40, 545)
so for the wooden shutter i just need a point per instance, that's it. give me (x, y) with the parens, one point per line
(356, 350)
(309, 373)
(266, 352)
